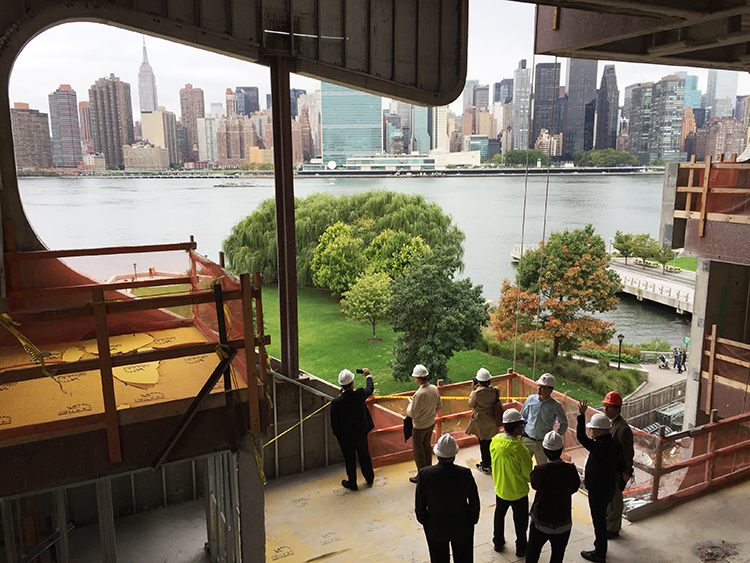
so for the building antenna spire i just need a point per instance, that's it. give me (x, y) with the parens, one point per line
(145, 55)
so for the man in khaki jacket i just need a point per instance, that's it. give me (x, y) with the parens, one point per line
(423, 407)
(482, 424)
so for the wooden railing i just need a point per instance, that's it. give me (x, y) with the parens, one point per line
(693, 188)
(729, 369)
(248, 293)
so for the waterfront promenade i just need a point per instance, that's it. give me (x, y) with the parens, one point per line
(653, 284)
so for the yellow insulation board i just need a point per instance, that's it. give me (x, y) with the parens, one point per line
(42, 400)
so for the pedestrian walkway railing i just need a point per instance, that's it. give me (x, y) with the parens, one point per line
(642, 411)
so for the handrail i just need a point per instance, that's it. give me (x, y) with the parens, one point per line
(86, 288)
(103, 251)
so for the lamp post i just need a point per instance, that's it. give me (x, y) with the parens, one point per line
(620, 337)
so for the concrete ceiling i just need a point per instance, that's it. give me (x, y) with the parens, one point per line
(412, 50)
(702, 33)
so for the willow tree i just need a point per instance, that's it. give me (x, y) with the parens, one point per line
(251, 246)
(565, 281)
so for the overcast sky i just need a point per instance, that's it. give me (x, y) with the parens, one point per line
(80, 53)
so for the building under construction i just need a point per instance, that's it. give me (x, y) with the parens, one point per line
(113, 405)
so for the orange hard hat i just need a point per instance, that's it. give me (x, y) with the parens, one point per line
(612, 398)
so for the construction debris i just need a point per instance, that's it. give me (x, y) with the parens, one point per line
(712, 551)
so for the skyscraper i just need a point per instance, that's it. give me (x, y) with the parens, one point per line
(546, 87)
(481, 96)
(233, 103)
(111, 119)
(721, 92)
(294, 95)
(667, 104)
(627, 102)
(607, 106)
(84, 121)
(247, 100)
(468, 95)
(191, 107)
(438, 127)
(207, 135)
(503, 91)
(581, 90)
(31, 142)
(405, 114)
(692, 94)
(147, 97)
(352, 123)
(521, 105)
(160, 129)
(639, 127)
(420, 133)
(66, 134)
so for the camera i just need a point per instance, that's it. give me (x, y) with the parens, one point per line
(360, 370)
(475, 380)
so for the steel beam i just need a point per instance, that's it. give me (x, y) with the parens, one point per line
(285, 233)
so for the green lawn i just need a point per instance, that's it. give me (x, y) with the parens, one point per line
(164, 290)
(687, 263)
(328, 343)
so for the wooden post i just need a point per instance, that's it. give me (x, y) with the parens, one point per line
(710, 462)
(690, 184)
(249, 336)
(658, 465)
(222, 260)
(710, 383)
(105, 369)
(262, 356)
(704, 196)
(439, 424)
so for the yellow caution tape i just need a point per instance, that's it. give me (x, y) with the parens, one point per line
(446, 397)
(296, 425)
(34, 353)
(258, 459)
(222, 350)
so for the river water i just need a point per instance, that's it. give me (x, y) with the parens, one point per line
(92, 212)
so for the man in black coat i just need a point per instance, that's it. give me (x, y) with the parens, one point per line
(604, 462)
(351, 422)
(447, 505)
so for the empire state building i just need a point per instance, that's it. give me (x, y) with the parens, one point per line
(147, 85)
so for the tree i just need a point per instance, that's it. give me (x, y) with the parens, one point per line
(338, 259)
(436, 314)
(393, 252)
(497, 160)
(368, 298)
(306, 155)
(569, 278)
(663, 256)
(604, 158)
(645, 247)
(624, 243)
(520, 158)
(251, 246)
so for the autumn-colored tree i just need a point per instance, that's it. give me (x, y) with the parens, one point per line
(569, 277)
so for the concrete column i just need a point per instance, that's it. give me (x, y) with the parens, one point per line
(285, 226)
(106, 515)
(693, 416)
(252, 503)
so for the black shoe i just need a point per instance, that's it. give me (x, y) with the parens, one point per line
(592, 556)
(369, 483)
(483, 469)
(347, 485)
(499, 547)
(413, 479)
(612, 534)
(521, 552)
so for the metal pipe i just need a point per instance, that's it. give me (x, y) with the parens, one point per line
(275, 427)
(301, 435)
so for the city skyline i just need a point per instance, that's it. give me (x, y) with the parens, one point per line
(84, 51)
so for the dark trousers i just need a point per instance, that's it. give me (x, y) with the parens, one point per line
(354, 448)
(420, 443)
(520, 520)
(484, 449)
(598, 504)
(537, 539)
(463, 550)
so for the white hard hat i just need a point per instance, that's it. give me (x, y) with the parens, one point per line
(483, 375)
(419, 371)
(599, 421)
(512, 415)
(446, 446)
(547, 379)
(552, 441)
(345, 377)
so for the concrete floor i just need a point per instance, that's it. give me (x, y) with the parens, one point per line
(310, 517)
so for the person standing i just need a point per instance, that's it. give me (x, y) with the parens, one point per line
(482, 401)
(623, 435)
(540, 411)
(682, 360)
(603, 463)
(511, 467)
(351, 422)
(555, 482)
(447, 505)
(423, 407)
(676, 356)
